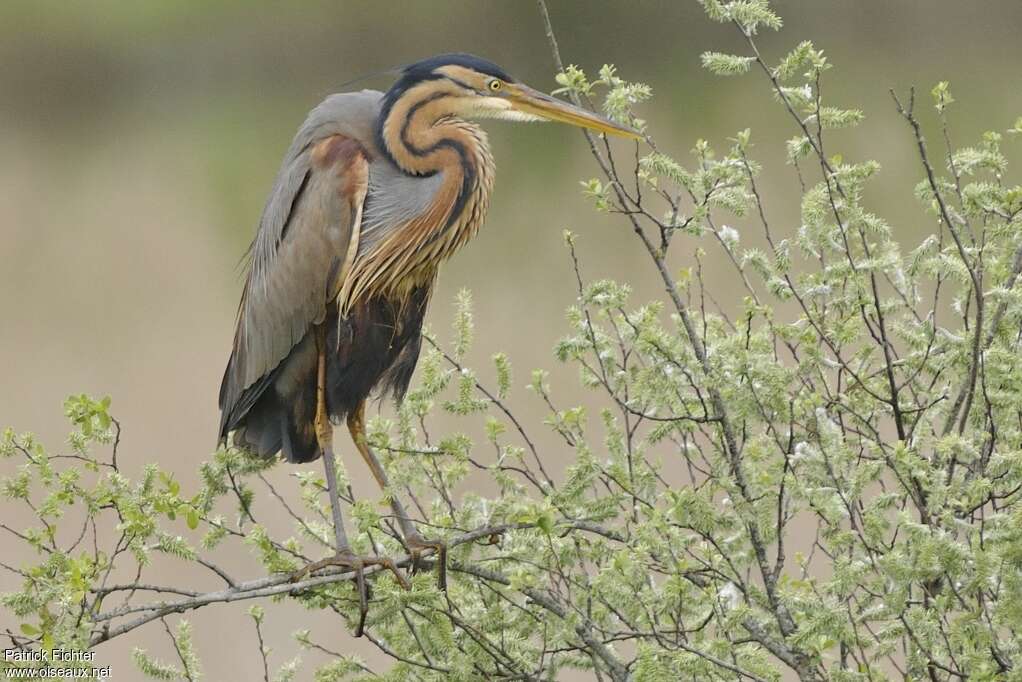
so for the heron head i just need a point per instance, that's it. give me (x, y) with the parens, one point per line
(477, 88)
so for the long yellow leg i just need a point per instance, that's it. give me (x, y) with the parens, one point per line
(325, 438)
(344, 556)
(417, 544)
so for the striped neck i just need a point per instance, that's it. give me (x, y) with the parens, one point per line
(420, 135)
(418, 132)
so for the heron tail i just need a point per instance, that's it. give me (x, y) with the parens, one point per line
(277, 413)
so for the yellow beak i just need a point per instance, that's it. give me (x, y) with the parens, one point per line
(526, 99)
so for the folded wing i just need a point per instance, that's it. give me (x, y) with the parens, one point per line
(307, 238)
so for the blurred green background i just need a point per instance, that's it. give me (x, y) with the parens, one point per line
(138, 139)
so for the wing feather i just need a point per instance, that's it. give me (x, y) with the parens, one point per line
(307, 240)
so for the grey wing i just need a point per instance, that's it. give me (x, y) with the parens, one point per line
(307, 237)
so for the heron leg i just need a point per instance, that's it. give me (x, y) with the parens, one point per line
(416, 543)
(344, 556)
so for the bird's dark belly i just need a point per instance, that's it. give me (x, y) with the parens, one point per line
(373, 350)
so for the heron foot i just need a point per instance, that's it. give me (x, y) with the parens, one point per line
(348, 559)
(418, 546)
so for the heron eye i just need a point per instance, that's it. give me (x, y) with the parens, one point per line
(495, 85)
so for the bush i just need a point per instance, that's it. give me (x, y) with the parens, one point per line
(861, 390)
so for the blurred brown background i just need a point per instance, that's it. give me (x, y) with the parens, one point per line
(138, 140)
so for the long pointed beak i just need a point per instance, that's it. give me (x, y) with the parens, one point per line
(526, 99)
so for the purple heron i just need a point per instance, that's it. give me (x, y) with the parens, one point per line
(375, 192)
